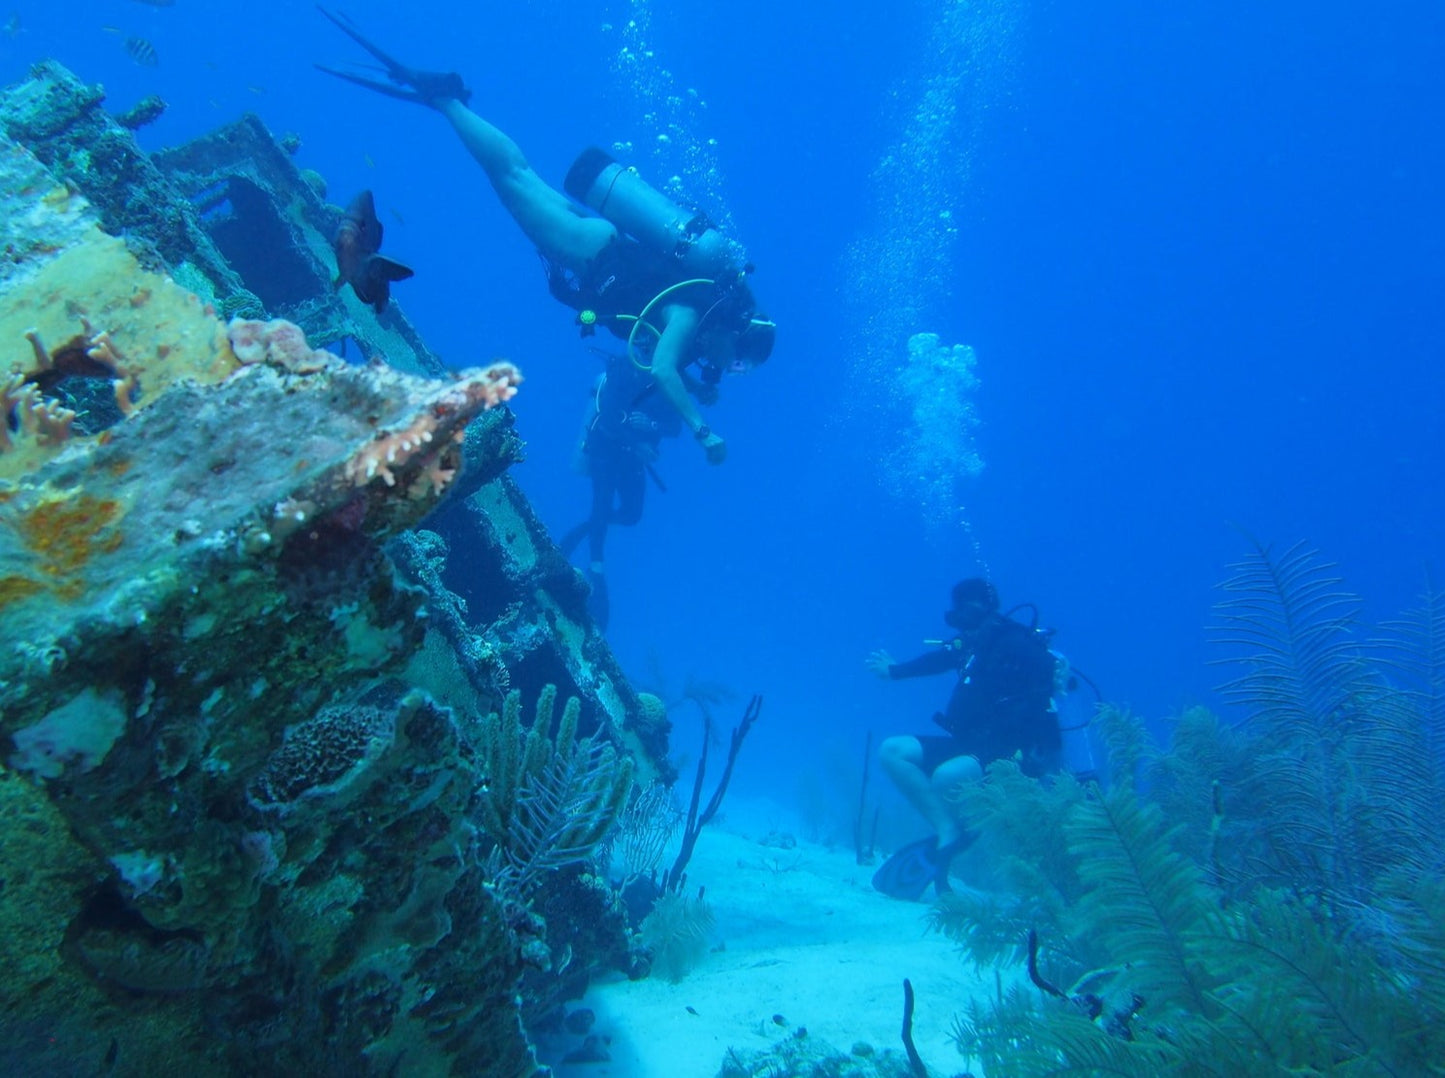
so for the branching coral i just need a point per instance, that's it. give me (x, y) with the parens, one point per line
(44, 422)
(391, 450)
(32, 422)
(547, 803)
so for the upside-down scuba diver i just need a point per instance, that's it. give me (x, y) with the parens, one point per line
(657, 275)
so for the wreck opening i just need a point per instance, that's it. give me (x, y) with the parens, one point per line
(260, 246)
(82, 376)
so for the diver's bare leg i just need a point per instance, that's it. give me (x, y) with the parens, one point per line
(902, 758)
(947, 778)
(544, 214)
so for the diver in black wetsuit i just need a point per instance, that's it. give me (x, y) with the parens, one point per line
(655, 274)
(626, 423)
(1002, 703)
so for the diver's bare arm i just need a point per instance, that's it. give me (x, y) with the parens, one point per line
(670, 357)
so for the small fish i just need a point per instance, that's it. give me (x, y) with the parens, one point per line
(357, 240)
(257, 90)
(13, 27)
(369, 162)
(141, 51)
(157, 3)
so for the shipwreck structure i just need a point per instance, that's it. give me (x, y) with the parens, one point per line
(250, 726)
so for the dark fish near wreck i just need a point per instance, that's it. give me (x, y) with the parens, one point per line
(357, 263)
(141, 51)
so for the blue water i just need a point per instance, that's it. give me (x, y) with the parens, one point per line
(1197, 250)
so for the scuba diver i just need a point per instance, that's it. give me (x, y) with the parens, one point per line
(626, 422)
(658, 276)
(1002, 704)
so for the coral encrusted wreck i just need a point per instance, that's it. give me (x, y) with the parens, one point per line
(237, 702)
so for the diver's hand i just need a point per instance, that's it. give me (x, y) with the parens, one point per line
(715, 448)
(879, 662)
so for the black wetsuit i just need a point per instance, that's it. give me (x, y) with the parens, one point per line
(630, 418)
(1002, 702)
(621, 280)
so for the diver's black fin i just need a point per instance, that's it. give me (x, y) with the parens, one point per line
(394, 66)
(387, 88)
(909, 871)
(406, 83)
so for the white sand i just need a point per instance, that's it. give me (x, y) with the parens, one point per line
(802, 934)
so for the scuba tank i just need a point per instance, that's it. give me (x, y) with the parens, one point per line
(1074, 711)
(619, 194)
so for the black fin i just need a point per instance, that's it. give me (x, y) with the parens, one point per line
(909, 871)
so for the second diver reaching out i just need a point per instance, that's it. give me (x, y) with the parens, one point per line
(658, 276)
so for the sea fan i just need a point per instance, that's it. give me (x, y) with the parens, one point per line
(1414, 646)
(1339, 786)
(1293, 626)
(1317, 997)
(1147, 903)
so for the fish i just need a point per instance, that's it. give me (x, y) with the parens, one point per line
(157, 3)
(357, 242)
(141, 51)
(13, 26)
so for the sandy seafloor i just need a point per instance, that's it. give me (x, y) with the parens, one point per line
(801, 934)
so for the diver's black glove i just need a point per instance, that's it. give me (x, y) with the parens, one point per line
(429, 88)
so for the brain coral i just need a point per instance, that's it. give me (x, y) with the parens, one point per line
(324, 755)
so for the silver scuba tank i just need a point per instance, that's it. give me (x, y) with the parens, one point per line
(1074, 711)
(618, 193)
